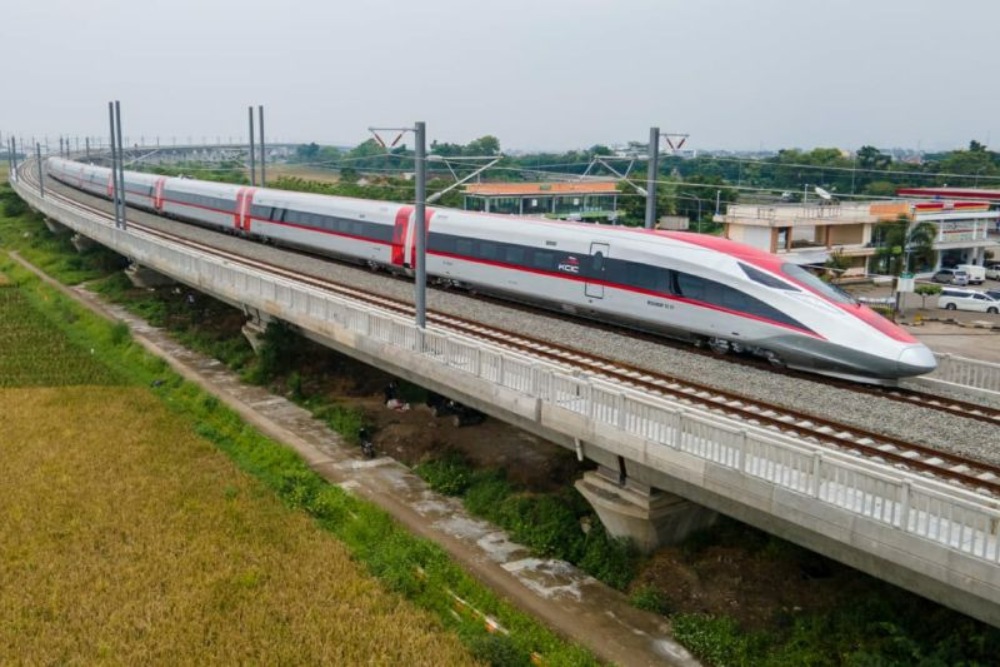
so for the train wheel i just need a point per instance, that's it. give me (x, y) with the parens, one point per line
(719, 346)
(774, 359)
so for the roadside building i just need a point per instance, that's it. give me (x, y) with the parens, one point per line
(582, 200)
(812, 233)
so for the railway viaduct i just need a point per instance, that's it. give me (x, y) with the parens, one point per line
(665, 467)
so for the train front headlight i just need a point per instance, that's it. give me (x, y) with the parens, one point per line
(916, 360)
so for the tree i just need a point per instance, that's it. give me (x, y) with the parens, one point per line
(925, 290)
(487, 145)
(306, 152)
(900, 247)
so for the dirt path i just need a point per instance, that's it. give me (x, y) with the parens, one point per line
(572, 603)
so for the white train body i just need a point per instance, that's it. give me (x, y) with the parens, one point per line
(694, 286)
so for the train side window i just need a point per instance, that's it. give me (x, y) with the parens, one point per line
(464, 247)
(487, 250)
(543, 260)
(515, 255)
(664, 280)
(690, 286)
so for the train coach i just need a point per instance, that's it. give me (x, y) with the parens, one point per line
(704, 289)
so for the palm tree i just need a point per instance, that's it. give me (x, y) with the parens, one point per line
(902, 247)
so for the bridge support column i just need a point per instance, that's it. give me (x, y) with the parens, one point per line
(82, 243)
(254, 330)
(55, 227)
(144, 277)
(649, 517)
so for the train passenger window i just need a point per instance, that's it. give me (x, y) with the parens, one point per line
(488, 250)
(440, 243)
(663, 280)
(732, 299)
(464, 247)
(690, 286)
(543, 260)
(515, 255)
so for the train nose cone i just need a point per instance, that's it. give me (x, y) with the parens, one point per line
(916, 360)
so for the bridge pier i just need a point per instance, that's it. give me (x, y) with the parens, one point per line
(55, 227)
(254, 330)
(144, 277)
(82, 243)
(649, 517)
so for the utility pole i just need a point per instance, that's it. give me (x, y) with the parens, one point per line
(420, 218)
(253, 167)
(41, 172)
(420, 153)
(121, 162)
(114, 166)
(654, 149)
(263, 159)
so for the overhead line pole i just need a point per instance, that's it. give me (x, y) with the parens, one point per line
(420, 212)
(420, 153)
(121, 161)
(253, 166)
(654, 147)
(263, 158)
(114, 164)
(41, 174)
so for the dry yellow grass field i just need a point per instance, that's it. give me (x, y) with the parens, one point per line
(127, 539)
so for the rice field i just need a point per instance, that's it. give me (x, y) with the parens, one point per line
(34, 353)
(129, 539)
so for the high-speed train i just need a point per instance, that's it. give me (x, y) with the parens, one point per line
(709, 290)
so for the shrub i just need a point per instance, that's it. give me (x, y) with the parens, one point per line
(649, 598)
(449, 475)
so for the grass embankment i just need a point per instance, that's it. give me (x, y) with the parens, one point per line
(136, 540)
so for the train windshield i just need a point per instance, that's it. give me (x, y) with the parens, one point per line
(811, 281)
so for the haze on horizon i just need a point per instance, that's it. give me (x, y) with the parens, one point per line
(541, 74)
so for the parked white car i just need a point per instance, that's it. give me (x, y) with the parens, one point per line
(967, 299)
(993, 271)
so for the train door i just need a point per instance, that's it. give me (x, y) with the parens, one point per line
(399, 233)
(598, 264)
(242, 214)
(158, 193)
(411, 235)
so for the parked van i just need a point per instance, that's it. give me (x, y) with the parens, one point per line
(967, 299)
(951, 277)
(993, 271)
(977, 274)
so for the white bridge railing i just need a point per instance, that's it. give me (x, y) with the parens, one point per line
(647, 429)
(968, 373)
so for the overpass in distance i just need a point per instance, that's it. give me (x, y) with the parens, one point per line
(668, 466)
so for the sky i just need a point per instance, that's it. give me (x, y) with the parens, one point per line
(537, 74)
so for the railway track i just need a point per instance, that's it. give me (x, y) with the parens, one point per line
(979, 476)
